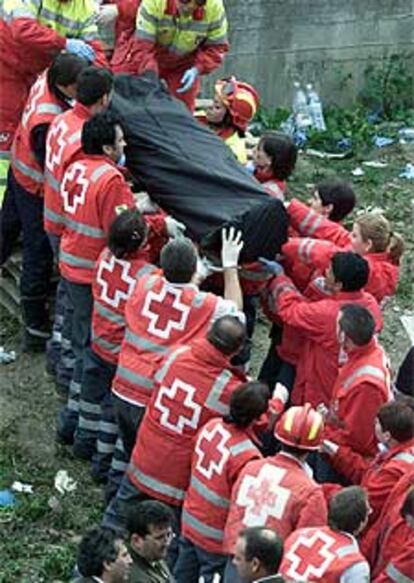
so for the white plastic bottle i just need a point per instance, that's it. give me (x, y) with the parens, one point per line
(300, 108)
(315, 109)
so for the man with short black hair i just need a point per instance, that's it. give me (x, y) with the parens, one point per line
(333, 199)
(103, 557)
(331, 553)
(192, 384)
(363, 385)
(150, 528)
(165, 310)
(317, 366)
(257, 555)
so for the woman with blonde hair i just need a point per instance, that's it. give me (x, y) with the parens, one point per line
(371, 236)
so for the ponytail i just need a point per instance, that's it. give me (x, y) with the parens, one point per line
(396, 248)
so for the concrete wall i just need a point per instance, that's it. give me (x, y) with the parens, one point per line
(328, 42)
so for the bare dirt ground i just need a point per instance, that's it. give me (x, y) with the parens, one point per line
(38, 536)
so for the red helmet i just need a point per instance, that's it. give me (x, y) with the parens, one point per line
(300, 427)
(241, 100)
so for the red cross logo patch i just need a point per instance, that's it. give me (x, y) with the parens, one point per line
(55, 144)
(165, 311)
(310, 556)
(262, 496)
(74, 187)
(211, 451)
(177, 406)
(115, 281)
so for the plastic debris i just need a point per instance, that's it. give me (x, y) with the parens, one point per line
(326, 155)
(64, 483)
(408, 172)
(344, 143)
(357, 171)
(375, 164)
(382, 141)
(22, 488)
(407, 320)
(315, 110)
(7, 357)
(7, 498)
(406, 135)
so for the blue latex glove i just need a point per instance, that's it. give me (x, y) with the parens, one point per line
(272, 267)
(188, 79)
(80, 48)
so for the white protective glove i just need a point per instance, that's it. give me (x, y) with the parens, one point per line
(107, 15)
(232, 244)
(323, 410)
(281, 393)
(144, 203)
(175, 229)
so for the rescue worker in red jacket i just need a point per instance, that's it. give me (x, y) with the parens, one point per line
(395, 430)
(333, 199)
(32, 33)
(222, 449)
(371, 237)
(126, 258)
(278, 492)
(234, 106)
(393, 559)
(274, 160)
(331, 554)
(179, 40)
(317, 367)
(64, 143)
(193, 384)
(362, 386)
(49, 96)
(164, 311)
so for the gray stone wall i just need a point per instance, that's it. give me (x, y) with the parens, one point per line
(327, 42)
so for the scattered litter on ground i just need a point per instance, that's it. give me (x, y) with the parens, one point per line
(407, 320)
(22, 488)
(382, 141)
(408, 172)
(406, 136)
(64, 483)
(7, 498)
(374, 164)
(357, 171)
(7, 357)
(326, 155)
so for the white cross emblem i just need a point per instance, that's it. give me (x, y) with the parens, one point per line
(307, 543)
(175, 307)
(54, 156)
(262, 495)
(220, 436)
(76, 181)
(110, 294)
(191, 413)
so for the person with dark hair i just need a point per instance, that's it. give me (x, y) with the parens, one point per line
(392, 551)
(333, 199)
(331, 553)
(404, 382)
(222, 448)
(126, 258)
(314, 319)
(394, 428)
(193, 383)
(150, 529)
(62, 145)
(274, 160)
(51, 95)
(103, 556)
(362, 387)
(234, 106)
(164, 311)
(278, 492)
(257, 555)
(180, 41)
(94, 192)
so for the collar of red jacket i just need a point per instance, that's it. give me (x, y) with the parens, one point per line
(382, 257)
(172, 10)
(263, 175)
(400, 447)
(81, 110)
(358, 351)
(211, 355)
